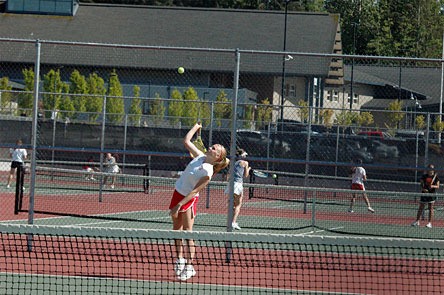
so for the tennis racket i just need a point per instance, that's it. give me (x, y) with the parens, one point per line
(199, 143)
(433, 179)
(260, 174)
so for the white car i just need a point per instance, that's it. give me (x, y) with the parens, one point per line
(382, 150)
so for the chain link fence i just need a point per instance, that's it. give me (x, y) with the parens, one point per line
(307, 114)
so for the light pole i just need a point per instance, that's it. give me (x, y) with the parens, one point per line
(442, 88)
(283, 64)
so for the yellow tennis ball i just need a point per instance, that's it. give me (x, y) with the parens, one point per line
(274, 176)
(181, 70)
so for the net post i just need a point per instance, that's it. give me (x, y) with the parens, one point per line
(18, 189)
(29, 239)
(251, 189)
(147, 172)
(313, 210)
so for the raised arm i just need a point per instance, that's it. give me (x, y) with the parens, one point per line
(194, 151)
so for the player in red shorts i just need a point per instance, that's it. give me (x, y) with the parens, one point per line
(359, 175)
(183, 204)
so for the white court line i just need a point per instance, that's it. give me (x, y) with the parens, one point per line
(96, 223)
(318, 231)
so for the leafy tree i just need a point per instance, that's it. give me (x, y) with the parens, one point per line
(303, 110)
(437, 126)
(157, 109)
(115, 107)
(191, 107)
(420, 122)
(94, 102)
(135, 108)
(326, 116)
(175, 107)
(345, 118)
(264, 113)
(392, 28)
(222, 109)
(364, 119)
(78, 86)
(5, 96)
(358, 22)
(249, 115)
(395, 115)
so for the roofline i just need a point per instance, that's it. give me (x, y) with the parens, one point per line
(231, 10)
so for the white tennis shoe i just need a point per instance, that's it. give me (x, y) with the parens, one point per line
(234, 225)
(187, 273)
(429, 225)
(179, 265)
(416, 223)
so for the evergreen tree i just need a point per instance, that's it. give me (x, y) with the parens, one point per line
(175, 107)
(157, 109)
(52, 84)
(66, 106)
(135, 108)
(222, 109)
(94, 102)
(5, 96)
(78, 86)
(26, 100)
(115, 107)
(191, 107)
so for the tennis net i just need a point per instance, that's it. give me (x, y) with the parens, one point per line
(46, 259)
(143, 201)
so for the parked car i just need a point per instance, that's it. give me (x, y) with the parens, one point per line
(382, 150)
(324, 149)
(373, 134)
(261, 144)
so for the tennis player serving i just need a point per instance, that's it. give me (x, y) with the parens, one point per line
(183, 204)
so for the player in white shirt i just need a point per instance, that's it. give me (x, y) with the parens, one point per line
(358, 177)
(183, 204)
(18, 155)
(110, 167)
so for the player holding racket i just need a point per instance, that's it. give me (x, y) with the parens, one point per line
(183, 204)
(18, 155)
(429, 185)
(359, 175)
(241, 170)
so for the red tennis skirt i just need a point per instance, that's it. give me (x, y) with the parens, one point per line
(191, 203)
(357, 186)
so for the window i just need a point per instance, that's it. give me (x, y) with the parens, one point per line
(329, 96)
(335, 96)
(355, 98)
(55, 7)
(290, 90)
